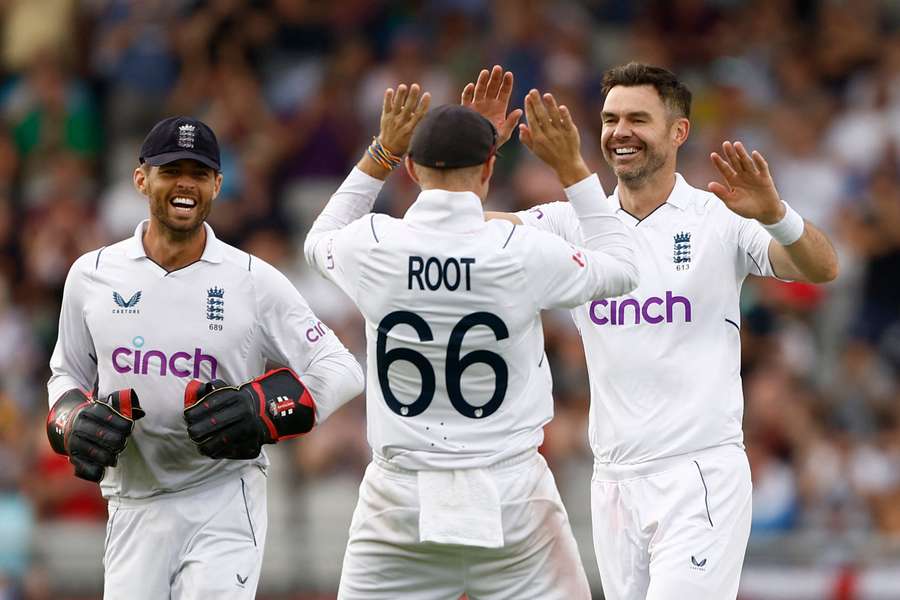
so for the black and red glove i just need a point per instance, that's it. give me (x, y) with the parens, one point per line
(92, 433)
(234, 422)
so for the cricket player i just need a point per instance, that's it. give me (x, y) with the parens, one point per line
(159, 373)
(671, 488)
(457, 499)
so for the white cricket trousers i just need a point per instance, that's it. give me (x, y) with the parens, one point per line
(672, 529)
(539, 559)
(198, 544)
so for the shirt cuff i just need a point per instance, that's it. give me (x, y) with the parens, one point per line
(587, 197)
(362, 183)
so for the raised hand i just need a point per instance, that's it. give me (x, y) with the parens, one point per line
(748, 189)
(552, 136)
(400, 114)
(489, 97)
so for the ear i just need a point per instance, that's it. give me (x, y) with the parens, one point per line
(681, 128)
(411, 169)
(217, 187)
(140, 181)
(488, 169)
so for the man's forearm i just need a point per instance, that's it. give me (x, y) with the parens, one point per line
(604, 232)
(812, 257)
(571, 174)
(371, 168)
(353, 199)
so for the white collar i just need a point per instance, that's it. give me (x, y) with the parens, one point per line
(212, 251)
(459, 212)
(679, 197)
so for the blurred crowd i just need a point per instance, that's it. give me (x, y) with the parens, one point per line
(293, 90)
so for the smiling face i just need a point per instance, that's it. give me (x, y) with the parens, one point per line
(640, 133)
(180, 194)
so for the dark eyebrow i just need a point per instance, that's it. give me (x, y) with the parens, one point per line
(637, 114)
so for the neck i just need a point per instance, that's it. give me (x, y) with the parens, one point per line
(173, 249)
(642, 198)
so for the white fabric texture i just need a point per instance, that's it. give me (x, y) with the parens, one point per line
(386, 561)
(127, 323)
(444, 284)
(458, 386)
(664, 359)
(679, 532)
(460, 506)
(203, 543)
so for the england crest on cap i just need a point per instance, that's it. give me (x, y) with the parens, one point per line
(186, 136)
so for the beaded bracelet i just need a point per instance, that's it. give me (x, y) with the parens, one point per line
(383, 156)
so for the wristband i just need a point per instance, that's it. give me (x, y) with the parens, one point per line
(789, 229)
(383, 156)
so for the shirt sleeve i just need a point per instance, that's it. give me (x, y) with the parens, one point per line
(73, 364)
(292, 335)
(343, 225)
(752, 244)
(553, 217)
(564, 275)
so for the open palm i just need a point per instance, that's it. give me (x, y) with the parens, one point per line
(748, 189)
(489, 97)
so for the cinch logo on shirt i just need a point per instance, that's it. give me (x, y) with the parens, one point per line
(630, 312)
(316, 332)
(157, 362)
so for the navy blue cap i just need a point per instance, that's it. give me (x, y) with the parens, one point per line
(452, 136)
(176, 138)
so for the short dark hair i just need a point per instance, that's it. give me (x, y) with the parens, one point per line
(673, 93)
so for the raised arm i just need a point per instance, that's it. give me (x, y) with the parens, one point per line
(355, 197)
(401, 112)
(551, 134)
(798, 250)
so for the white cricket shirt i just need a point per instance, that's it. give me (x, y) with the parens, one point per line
(457, 376)
(664, 360)
(126, 322)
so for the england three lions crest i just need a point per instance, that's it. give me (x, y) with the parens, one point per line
(215, 304)
(186, 135)
(681, 253)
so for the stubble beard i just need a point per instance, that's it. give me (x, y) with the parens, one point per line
(179, 232)
(636, 178)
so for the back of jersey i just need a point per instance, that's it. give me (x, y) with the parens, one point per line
(455, 351)
(456, 370)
